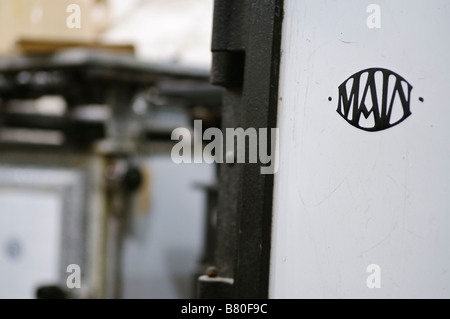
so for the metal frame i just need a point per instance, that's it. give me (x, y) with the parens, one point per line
(246, 58)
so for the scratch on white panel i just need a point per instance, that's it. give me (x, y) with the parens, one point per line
(414, 234)
(347, 42)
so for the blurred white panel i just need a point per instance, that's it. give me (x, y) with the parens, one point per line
(30, 230)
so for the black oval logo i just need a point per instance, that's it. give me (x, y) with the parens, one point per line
(375, 99)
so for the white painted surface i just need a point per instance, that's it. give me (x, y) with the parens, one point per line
(30, 232)
(345, 198)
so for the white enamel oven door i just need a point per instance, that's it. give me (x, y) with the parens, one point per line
(362, 196)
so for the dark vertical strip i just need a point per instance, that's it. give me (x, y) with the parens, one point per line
(246, 58)
(260, 100)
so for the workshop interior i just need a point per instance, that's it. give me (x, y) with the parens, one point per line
(91, 203)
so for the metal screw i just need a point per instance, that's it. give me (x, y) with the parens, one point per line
(212, 272)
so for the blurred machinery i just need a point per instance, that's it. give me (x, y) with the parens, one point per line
(73, 126)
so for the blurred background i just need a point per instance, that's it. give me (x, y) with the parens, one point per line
(89, 96)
